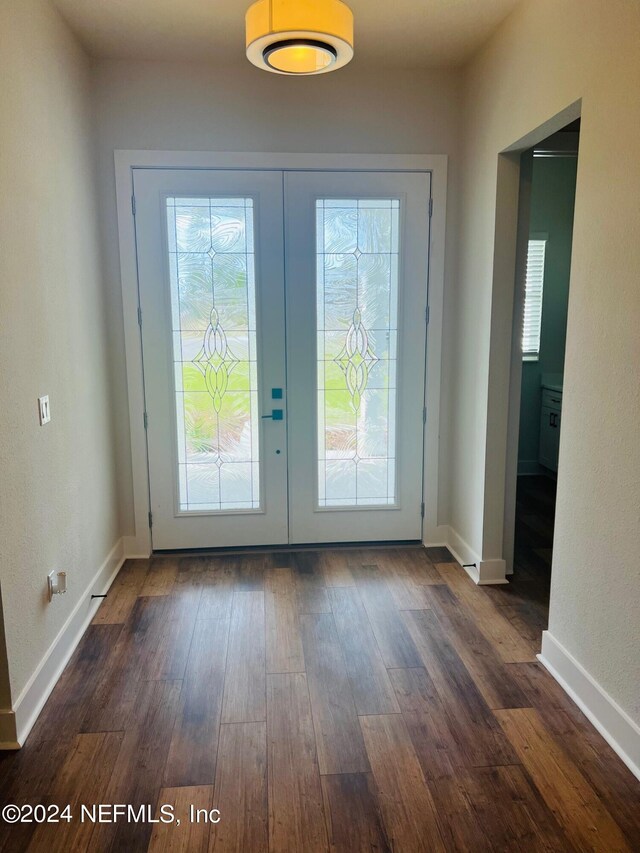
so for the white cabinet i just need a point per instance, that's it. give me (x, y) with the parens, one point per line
(550, 428)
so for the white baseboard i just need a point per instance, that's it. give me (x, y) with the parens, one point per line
(614, 724)
(8, 736)
(480, 571)
(136, 547)
(492, 572)
(463, 553)
(37, 690)
(435, 536)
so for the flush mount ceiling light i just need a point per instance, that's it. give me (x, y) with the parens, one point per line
(299, 36)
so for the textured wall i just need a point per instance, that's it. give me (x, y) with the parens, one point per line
(527, 73)
(200, 108)
(58, 482)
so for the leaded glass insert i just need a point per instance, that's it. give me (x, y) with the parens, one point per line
(357, 338)
(213, 309)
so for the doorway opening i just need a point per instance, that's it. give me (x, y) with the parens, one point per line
(540, 323)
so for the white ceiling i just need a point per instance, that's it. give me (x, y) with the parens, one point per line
(411, 33)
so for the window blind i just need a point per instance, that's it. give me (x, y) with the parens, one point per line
(533, 299)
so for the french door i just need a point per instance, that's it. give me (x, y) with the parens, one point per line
(283, 337)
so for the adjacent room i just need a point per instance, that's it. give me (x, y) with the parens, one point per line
(320, 459)
(547, 201)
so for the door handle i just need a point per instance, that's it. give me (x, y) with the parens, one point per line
(276, 415)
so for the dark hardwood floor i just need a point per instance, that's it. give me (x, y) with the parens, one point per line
(525, 600)
(338, 700)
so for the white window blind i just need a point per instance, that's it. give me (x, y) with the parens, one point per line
(533, 299)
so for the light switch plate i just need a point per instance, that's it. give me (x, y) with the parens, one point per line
(44, 410)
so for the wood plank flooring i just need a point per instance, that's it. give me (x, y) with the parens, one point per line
(323, 701)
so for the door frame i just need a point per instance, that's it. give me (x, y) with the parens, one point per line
(495, 560)
(138, 544)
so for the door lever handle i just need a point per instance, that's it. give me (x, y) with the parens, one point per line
(276, 415)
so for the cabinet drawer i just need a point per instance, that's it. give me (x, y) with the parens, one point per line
(552, 399)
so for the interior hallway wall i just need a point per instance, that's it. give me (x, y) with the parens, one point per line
(58, 481)
(196, 107)
(544, 57)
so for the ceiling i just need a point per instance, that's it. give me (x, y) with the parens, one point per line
(409, 33)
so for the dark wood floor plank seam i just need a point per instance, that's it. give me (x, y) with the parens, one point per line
(288, 672)
(311, 589)
(67, 705)
(160, 576)
(408, 810)
(197, 725)
(240, 789)
(338, 736)
(137, 774)
(470, 719)
(584, 818)
(283, 644)
(218, 584)
(112, 703)
(394, 642)
(169, 663)
(121, 596)
(296, 812)
(380, 714)
(509, 807)
(188, 837)
(490, 623)
(370, 685)
(224, 677)
(247, 697)
(352, 812)
(610, 778)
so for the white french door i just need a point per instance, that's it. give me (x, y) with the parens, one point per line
(283, 337)
(210, 272)
(356, 268)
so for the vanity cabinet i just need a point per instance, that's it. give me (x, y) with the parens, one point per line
(550, 428)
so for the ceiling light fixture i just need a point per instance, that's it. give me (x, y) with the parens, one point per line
(299, 36)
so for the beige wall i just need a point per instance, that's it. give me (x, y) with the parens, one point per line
(197, 107)
(58, 482)
(546, 56)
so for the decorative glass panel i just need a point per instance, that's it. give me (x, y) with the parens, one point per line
(357, 331)
(213, 307)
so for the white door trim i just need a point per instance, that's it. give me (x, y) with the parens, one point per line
(139, 543)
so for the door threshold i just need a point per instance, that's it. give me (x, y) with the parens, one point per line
(257, 549)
